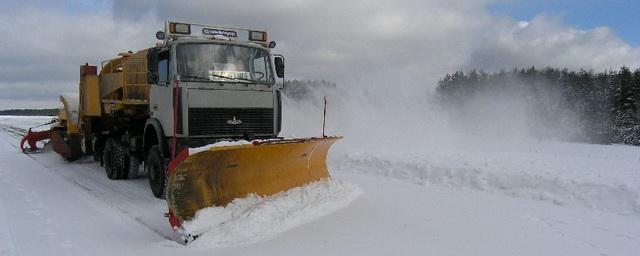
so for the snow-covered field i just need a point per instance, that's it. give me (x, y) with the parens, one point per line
(540, 198)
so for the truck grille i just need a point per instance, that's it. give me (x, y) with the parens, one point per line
(216, 121)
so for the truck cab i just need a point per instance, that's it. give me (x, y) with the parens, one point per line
(207, 84)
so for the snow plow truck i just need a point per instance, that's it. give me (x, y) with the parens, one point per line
(158, 111)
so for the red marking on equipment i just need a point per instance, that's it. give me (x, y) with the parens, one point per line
(176, 161)
(173, 221)
(32, 137)
(175, 117)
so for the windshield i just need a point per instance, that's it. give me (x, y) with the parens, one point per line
(218, 62)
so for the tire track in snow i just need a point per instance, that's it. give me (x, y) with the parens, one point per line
(18, 133)
(7, 241)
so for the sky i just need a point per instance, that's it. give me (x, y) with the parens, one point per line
(619, 15)
(353, 43)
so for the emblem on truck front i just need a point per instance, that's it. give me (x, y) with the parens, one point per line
(234, 121)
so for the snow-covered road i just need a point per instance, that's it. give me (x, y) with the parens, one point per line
(51, 207)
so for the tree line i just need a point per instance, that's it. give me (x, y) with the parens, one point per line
(606, 105)
(29, 112)
(304, 89)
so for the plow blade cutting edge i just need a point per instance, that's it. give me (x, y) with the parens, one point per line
(220, 174)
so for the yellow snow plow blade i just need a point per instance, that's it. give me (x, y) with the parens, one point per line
(220, 174)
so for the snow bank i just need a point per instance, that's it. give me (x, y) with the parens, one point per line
(604, 180)
(236, 143)
(218, 144)
(252, 219)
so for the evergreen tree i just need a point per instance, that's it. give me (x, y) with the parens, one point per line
(607, 104)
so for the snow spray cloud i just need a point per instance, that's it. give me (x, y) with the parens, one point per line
(509, 110)
(386, 112)
(382, 111)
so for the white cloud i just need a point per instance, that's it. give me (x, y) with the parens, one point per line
(546, 41)
(43, 48)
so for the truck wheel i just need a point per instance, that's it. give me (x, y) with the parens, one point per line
(116, 160)
(122, 158)
(156, 167)
(107, 159)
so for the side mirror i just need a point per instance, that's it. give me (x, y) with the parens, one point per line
(152, 66)
(160, 35)
(279, 61)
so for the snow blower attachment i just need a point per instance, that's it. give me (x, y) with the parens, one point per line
(31, 138)
(216, 176)
(64, 134)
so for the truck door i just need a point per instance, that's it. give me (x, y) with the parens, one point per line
(161, 95)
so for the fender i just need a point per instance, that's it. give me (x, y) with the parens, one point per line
(153, 125)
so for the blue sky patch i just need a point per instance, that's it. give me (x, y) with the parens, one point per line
(622, 16)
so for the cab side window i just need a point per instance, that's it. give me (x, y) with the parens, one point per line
(163, 67)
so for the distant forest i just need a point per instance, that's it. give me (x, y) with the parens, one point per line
(301, 89)
(29, 112)
(606, 105)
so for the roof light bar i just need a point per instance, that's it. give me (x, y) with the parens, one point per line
(259, 36)
(174, 30)
(180, 28)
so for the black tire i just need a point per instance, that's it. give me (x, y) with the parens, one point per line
(156, 168)
(123, 157)
(107, 159)
(116, 160)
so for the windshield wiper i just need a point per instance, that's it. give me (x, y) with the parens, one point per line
(233, 78)
(196, 77)
(219, 76)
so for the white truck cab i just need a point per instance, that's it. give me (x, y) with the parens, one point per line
(208, 84)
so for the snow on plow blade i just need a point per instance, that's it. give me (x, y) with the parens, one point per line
(216, 176)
